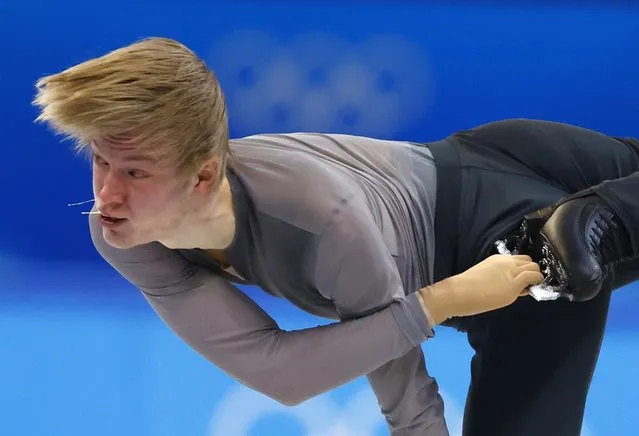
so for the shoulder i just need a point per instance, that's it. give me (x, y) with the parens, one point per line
(150, 267)
(290, 182)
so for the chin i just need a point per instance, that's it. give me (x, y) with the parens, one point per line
(121, 241)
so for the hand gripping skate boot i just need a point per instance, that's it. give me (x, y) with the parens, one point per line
(576, 242)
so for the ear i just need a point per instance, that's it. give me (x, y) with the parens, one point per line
(206, 178)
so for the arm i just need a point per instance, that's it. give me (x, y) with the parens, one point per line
(232, 332)
(355, 269)
(409, 397)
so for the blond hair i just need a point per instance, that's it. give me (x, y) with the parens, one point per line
(156, 92)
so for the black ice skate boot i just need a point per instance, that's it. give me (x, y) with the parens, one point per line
(576, 242)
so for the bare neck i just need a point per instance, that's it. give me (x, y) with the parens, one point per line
(211, 228)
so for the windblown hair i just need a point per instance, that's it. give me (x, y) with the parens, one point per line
(155, 92)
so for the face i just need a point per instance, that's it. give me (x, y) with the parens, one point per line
(140, 200)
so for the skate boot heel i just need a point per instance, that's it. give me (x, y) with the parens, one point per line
(527, 240)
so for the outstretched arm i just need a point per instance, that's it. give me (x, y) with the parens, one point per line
(355, 269)
(235, 334)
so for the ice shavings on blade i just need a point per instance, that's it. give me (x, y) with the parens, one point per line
(542, 292)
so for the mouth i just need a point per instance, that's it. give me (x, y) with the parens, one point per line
(111, 221)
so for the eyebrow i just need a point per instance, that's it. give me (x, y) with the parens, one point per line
(140, 158)
(131, 158)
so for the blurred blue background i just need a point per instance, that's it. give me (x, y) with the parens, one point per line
(80, 351)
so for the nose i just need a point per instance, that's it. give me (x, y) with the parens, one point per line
(112, 190)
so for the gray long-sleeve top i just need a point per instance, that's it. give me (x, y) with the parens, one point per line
(341, 226)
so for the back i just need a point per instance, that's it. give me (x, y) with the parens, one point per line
(395, 180)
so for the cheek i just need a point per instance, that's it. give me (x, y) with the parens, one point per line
(158, 205)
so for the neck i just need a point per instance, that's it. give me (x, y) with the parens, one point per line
(210, 228)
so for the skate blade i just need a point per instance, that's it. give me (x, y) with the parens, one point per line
(555, 283)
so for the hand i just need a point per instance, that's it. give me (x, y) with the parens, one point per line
(494, 283)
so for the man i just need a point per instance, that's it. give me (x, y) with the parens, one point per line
(389, 238)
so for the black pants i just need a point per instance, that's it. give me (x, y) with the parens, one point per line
(534, 361)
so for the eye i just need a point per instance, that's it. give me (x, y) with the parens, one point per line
(98, 160)
(137, 174)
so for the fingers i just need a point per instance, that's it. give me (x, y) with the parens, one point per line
(522, 260)
(528, 266)
(528, 278)
(522, 257)
(525, 263)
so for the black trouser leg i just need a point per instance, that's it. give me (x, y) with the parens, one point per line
(622, 196)
(570, 158)
(533, 366)
(534, 360)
